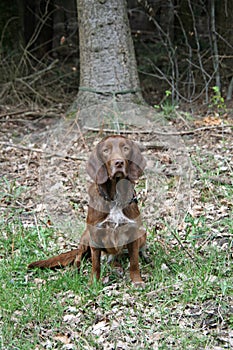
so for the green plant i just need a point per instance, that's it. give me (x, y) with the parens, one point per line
(167, 107)
(217, 100)
(10, 191)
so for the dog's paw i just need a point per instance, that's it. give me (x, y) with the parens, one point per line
(139, 285)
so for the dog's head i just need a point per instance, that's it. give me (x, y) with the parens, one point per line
(115, 157)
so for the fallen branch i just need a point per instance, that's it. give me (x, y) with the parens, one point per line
(178, 133)
(112, 131)
(38, 150)
(8, 114)
(29, 113)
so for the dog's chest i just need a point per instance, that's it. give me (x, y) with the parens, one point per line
(116, 218)
(114, 232)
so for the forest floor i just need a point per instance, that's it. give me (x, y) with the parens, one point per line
(188, 299)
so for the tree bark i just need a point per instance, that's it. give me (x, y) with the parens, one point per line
(107, 60)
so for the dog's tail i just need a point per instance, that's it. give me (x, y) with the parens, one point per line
(61, 260)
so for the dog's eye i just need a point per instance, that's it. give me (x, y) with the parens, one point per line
(126, 149)
(106, 151)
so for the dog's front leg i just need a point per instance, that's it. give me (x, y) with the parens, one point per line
(95, 257)
(135, 276)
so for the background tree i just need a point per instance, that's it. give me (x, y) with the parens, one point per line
(107, 60)
(183, 46)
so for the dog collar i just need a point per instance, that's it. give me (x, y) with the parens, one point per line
(108, 199)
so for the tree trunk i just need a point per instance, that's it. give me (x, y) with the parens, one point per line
(224, 37)
(107, 60)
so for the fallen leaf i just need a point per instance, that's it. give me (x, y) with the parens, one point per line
(62, 338)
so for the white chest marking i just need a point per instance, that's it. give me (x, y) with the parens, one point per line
(117, 217)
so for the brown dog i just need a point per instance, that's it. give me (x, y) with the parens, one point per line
(113, 220)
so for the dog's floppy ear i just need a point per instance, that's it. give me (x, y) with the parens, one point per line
(96, 168)
(137, 163)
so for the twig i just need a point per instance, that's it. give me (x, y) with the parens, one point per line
(215, 45)
(38, 73)
(38, 150)
(8, 114)
(23, 81)
(79, 130)
(178, 133)
(35, 116)
(148, 145)
(171, 50)
(189, 71)
(183, 120)
(185, 249)
(112, 131)
(204, 73)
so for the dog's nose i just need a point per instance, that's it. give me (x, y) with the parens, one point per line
(119, 163)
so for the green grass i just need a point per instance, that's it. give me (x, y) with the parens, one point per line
(185, 302)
